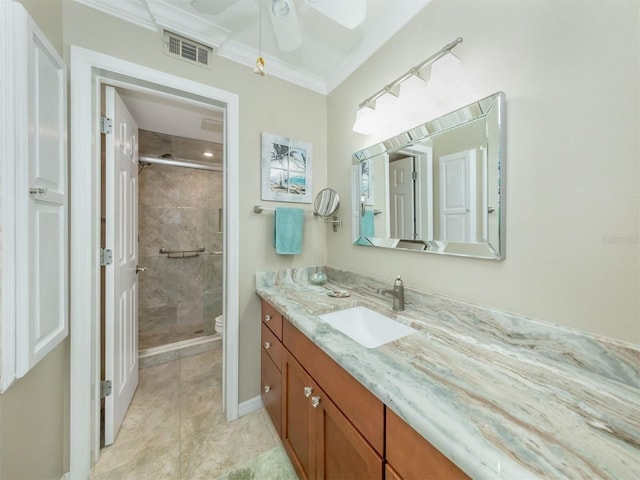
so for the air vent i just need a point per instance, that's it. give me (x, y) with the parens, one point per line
(186, 49)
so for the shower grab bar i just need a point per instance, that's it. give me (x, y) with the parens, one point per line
(182, 253)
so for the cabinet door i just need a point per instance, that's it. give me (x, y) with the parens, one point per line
(41, 195)
(298, 427)
(390, 473)
(272, 390)
(413, 457)
(341, 451)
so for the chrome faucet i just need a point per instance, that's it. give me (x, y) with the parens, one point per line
(397, 293)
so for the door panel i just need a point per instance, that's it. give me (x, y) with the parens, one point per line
(458, 196)
(401, 196)
(41, 206)
(342, 452)
(298, 428)
(121, 301)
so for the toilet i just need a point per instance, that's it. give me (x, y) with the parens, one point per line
(219, 324)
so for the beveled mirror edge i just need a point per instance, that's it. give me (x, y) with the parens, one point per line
(429, 129)
(417, 134)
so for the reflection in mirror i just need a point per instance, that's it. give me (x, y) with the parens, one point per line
(437, 188)
(327, 203)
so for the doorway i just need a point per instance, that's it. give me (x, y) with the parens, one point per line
(163, 287)
(89, 71)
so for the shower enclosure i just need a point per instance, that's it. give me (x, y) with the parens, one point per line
(180, 240)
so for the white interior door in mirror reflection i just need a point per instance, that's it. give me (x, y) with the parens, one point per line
(402, 198)
(458, 202)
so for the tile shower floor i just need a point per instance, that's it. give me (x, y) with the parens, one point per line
(175, 429)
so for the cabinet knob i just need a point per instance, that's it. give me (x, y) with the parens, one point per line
(267, 318)
(267, 388)
(267, 345)
(315, 401)
(308, 391)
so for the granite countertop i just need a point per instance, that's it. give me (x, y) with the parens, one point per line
(503, 396)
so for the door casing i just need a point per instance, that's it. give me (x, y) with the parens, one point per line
(89, 70)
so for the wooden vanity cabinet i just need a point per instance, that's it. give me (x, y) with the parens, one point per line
(271, 364)
(357, 403)
(331, 426)
(411, 457)
(319, 439)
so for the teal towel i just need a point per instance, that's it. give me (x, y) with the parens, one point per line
(366, 224)
(289, 226)
(367, 229)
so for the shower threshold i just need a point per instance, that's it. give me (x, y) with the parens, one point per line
(173, 351)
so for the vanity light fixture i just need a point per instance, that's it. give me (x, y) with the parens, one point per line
(386, 96)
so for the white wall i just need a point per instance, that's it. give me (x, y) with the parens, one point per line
(570, 71)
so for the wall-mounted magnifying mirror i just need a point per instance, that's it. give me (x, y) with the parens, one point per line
(326, 205)
(437, 188)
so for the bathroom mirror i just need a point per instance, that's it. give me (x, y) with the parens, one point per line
(437, 188)
(327, 203)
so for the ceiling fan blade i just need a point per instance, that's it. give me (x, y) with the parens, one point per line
(212, 7)
(285, 24)
(348, 13)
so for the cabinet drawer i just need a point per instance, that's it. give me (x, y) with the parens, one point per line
(272, 346)
(357, 403)
(271, 390)
(272, 319)
(412, 457)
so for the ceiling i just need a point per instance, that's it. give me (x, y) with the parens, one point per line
(172, 117)
(328, 54)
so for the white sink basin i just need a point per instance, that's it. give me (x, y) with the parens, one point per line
(367, 327)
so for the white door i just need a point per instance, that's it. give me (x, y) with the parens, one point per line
(121, 286)
(401, 198)
(458, 202)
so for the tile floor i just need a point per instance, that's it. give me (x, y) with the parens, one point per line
(175, 429)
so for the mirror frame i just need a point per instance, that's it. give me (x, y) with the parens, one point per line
(472, 112)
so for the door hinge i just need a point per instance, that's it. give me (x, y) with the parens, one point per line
(414, 175)
(105, 388)
(106, 257)
(106, 125)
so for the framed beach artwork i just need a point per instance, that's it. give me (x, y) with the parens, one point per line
(286, 169)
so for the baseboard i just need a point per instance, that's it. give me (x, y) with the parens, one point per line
(252, 405)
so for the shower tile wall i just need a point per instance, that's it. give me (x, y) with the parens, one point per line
(178, 209)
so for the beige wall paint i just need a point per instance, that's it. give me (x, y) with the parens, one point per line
(266, 104)
(34, 412)
(48, 15)
(570, 73)
(34, 421)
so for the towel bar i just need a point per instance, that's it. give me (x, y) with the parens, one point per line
(261, 209)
